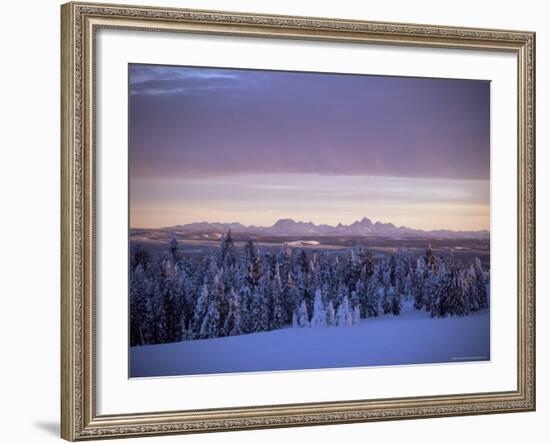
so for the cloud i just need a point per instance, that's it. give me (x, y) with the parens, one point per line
(161, 80)
(262, 199)
(198, 122)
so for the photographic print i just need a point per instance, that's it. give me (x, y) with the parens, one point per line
(286, 220)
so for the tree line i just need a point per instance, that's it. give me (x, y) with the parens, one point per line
(239, 291)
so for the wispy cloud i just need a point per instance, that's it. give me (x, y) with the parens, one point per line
(167, 80)
(201, 121)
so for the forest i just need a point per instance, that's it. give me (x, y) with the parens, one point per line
(242, 290)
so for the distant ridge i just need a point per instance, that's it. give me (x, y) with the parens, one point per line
(288, 227)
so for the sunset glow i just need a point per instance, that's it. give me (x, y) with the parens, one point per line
(224, 145)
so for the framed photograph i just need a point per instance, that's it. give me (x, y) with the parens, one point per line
(282, 221)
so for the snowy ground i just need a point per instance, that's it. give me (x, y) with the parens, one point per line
(411, 338)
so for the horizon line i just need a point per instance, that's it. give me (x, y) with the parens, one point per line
(308, 222)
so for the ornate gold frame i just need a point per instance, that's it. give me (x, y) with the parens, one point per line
(79, 23)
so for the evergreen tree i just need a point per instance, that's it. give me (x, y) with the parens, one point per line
(253, 264)
(354, 297)
(200, 311)
(227, 251)
(157, 316)
(344, 315)
(479, 281)
(232, 324)
(235, 292)
(390, 272)
(387, 300)
(302, 263)
(319, 318)
(351, 271)
(172, 300)
(419, 277)
(138, 256)
(173, 249)
(259, 311)
(295, 323)
(356, 316)
(291, 296)
(138, 306)
(429, 259)
(452, 292)
(401, 273)
(279, 317)
(325, 275)
(210, 323)
(331, 315)
(361, 292)
(395, 302)
(341, 294)
(374, 287)
(368, 266)
(302, 316)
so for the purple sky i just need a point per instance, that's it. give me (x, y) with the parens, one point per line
(254, 146)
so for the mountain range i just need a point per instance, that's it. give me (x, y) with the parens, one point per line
(288, 227)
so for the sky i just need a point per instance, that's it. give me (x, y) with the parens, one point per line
(252, 146)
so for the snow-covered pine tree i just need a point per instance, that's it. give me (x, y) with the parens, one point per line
(374, 287)
(368, 266)
(325, 275)
(253, 263)
(247, 321)
(173, 250)
(480, 281)
(391, 302)
(303, 287)
(467, 302)
(390, 272)
(279, 318)
(387, 299)
(302, 262)
(439, 290)
(356, 316)
(187, 334)
(210, 327)
(342, 292)
(211, 272)
(429, 258)
(419, 276)
(436, 282)
(232, 324)
(408, 287)
(139, 256)
(157, 315)
(331, 315)
(401, 272)
(362, 296)
(188, 282)
(228, 256)
(354, 297)
(344, 316)
(303, 320)
(395, 302)
(139, 314)
(319, 318)
(351, 271)
(259, 310)
(291, 296)
(172, 298)
(200, 311)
